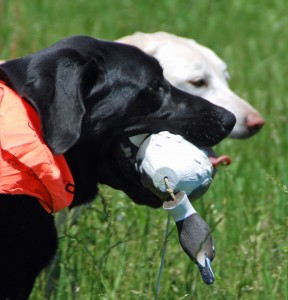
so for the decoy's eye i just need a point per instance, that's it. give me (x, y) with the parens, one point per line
(198, 82)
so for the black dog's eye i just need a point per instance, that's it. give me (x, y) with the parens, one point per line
(155, 85)
(198, 82)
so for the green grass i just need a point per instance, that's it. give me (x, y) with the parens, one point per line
(113, 251)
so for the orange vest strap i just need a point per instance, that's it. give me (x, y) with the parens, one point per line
(27, 166)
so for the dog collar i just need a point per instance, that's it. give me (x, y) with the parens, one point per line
(27, 166)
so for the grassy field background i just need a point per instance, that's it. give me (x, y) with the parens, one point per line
(114, 249)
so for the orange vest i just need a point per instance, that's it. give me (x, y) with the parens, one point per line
(27, 165)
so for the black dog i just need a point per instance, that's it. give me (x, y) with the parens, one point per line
(91, 96)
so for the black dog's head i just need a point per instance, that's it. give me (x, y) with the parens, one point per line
(93, 95)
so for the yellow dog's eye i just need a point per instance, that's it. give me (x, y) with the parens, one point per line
(198, 82)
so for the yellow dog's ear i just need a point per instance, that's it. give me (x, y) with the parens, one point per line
(145, 41)
(55, 83)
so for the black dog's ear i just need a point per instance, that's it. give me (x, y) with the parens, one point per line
(53, 84)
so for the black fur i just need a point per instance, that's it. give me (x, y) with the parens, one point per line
(91, 95)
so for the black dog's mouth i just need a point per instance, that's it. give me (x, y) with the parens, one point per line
(126, 152)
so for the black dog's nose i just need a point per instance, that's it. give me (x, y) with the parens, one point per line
(228, 120)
